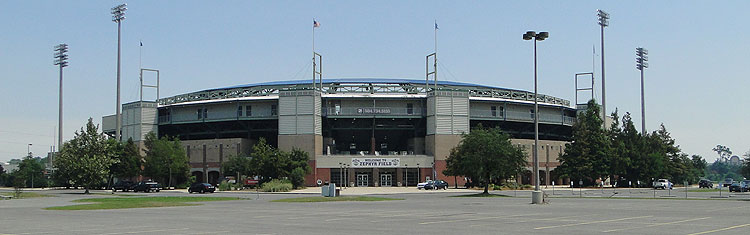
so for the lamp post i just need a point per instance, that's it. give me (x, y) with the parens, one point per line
(61, 59)
(603, 22)
(419, 173)
(642, 64)
(118, 14)
(536, 196)
(28, 149)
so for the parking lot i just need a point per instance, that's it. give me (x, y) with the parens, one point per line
(435, 212)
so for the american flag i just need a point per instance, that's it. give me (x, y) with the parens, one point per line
(316, 24)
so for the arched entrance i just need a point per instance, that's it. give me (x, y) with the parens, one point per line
(198, 176)
(213, 177)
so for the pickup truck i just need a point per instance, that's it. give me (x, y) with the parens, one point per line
(662, 184)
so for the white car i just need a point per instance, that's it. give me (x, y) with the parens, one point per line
(662, 184)
(421, 185)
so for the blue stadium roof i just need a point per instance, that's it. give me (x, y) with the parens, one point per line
(356, 80)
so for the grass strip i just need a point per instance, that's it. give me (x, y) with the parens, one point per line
(25, 195)
(137, 202)
(482, 195)
(336, 199)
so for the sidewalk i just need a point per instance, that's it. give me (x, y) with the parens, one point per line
(381, 190)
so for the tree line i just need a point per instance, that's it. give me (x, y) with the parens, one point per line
(92, 160)
(623, 155)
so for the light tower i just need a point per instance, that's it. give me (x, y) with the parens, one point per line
(603, 22)
(641, 64)
(61, 59)
(118, 14)
(536, 196)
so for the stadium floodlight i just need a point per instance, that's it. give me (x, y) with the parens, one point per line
(118, 14)
(603, 18)
(61, 59)
(641, 64)
(536, 197)
(603, 22)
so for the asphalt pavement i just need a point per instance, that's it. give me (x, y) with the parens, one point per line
(632, 211)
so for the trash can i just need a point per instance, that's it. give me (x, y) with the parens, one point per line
(338, 192)
(325, 191)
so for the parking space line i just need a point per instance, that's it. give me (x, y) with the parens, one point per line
(407, 216)
(593, 222)
(657, 224)
(721, 229)
(475, 219)
(513, 222)
(146, 231)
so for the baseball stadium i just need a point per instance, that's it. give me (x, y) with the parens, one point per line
(361, 132)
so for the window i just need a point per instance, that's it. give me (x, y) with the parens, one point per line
(205, 113)
(502, 111)
(248, 110)
(531, 111)
(409, 108)
(493, 110)
(239, 111)
(273, 109)
(199, 113)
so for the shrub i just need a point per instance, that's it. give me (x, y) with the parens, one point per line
(225, 186)
(276, 186)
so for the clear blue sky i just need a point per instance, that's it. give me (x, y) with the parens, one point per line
(697, 83)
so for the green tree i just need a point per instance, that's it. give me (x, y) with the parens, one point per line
(297, 166)
(486, 155)
(165, 160)
(586, 157)
(269, 163)
(237, 165)
(31, 172)
(745, 171)
(86, 159)
(723, 151)
(128, 158)
(617, 158)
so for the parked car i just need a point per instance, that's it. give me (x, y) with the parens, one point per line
(438, 184)
(745, 186)
(662, 184)
(123, 185)
(421, 185)
(201, 188)
(735, 187)
(728, 182)
(704, 183)
(147, 186)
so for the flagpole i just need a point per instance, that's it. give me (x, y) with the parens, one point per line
(313, 54)
(435, 65)
(140, 55)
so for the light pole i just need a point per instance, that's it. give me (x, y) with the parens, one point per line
(61, 59)
(603, 22)
(419, 173)
(28, 150)
(536, 196)
(642, 64)
(118, 14)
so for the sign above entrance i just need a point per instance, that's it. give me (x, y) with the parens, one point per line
(376, 162)
(373, 110)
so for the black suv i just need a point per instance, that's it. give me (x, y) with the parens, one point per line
(704, 183)
(123, 186)
(437, 184)
(147, 186)
(201, 188)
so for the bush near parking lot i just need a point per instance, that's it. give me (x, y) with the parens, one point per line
(276, 185)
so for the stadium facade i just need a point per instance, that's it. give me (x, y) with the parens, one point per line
(364, 131)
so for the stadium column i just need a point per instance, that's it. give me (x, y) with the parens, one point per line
(300, 125)
(447, 119)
